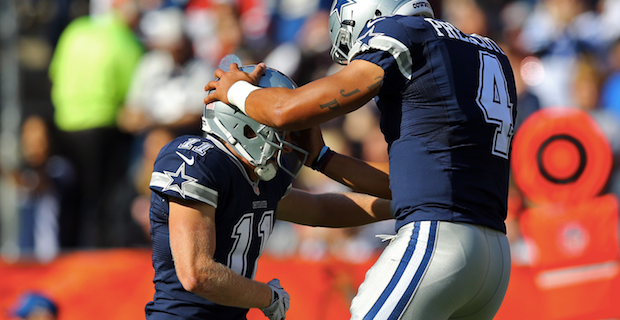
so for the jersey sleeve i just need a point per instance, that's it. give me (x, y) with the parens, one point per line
(182, 172)
(384, 42)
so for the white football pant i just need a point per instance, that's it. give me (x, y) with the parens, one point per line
(437, 270)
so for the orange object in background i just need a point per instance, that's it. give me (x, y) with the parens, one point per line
(560, 155)
(116, 284)
(563, 235)
(561, 161)
(105, 284)
(575, 265)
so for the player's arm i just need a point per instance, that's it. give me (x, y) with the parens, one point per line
(332, 209)
(366, 177)
(306, 106)
(192, 241)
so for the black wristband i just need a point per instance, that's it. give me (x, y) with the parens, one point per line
(322, 159)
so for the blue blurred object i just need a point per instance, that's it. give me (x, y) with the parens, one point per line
(610, 94)
(228, 60)
(32, 301)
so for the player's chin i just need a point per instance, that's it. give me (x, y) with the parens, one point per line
(267, 171)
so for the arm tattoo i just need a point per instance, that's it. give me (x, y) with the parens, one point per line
(332, 105)
(376, 84)
(350, 93)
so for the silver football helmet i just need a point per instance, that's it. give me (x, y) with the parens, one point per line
(347, 18)
(252, 140)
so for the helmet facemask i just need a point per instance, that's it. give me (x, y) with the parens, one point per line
(346, 21)
(343, 43)
(274, 142)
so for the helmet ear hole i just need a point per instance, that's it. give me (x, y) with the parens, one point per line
(377, 13)
(248, 132)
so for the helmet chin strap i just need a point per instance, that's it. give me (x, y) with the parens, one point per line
(266, 172)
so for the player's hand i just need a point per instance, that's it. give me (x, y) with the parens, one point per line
(218, 89)
(279, 302)
(311, 140)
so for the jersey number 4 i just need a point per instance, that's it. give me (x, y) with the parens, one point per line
(494, 101)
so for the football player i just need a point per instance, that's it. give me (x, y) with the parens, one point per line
(447, 101)
(214, 203)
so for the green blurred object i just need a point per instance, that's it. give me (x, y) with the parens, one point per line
(91, 71)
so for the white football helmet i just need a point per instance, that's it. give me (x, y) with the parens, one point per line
(252, 140)
(347, 18)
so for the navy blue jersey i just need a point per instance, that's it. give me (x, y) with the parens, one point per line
(202, 169)
(447, 103)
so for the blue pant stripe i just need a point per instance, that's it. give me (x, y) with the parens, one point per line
(397, 275)
(404, 300)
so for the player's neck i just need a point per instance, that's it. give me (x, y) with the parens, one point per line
(246, 164)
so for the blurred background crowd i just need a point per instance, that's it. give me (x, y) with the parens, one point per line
(101, 85)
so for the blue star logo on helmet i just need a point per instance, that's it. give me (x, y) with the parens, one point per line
(338, 5)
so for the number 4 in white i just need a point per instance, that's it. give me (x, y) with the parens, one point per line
(494, 101)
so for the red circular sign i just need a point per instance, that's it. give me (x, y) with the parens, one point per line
(560, 158)
(560, 155)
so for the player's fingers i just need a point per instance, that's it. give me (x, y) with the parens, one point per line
(210, 85)
(208, 99)
(218, 73)
(258, 71)
(211, 96)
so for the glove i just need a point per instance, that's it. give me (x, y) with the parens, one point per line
(279, 302)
